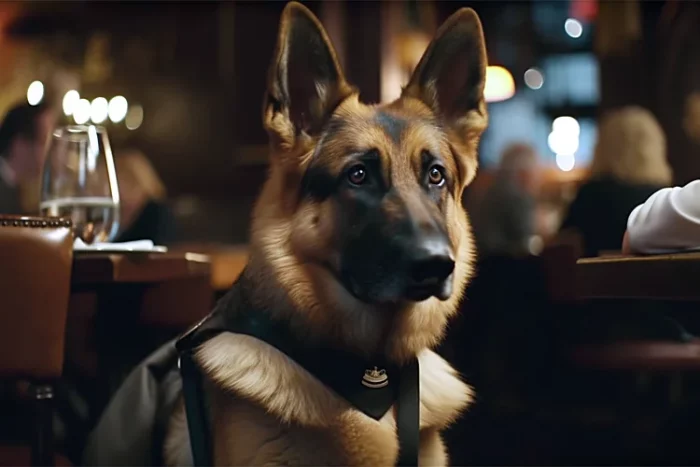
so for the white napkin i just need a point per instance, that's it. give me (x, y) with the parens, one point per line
(136, 245)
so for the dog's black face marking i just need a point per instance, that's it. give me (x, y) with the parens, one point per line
(318, 183)
(384, 233)
(393, 126)
(390, 225)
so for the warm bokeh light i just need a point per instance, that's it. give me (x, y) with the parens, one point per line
(566, 162)
(35, 92)
(70, 100)
(500, 85)
(81, 112)
(118, 107)
(134, 117)
(534, 79)
(573, 28)
(564, 141)
(568, 125)
(561, 142)
(99, 109)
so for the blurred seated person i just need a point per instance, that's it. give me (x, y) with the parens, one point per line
(504, 217)
(629, 165)
(668, 221)
(23, 137)
(144, 215)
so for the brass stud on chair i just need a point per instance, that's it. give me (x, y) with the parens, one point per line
(37, 222)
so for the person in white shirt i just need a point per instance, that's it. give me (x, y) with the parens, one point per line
(669, 221)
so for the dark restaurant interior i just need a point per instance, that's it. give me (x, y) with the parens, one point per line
(133, 152)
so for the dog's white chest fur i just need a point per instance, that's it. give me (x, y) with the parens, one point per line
(266, 409)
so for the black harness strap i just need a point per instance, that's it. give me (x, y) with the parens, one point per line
(408, 415)
(197, 420)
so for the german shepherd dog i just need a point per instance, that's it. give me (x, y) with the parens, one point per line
(359, 242)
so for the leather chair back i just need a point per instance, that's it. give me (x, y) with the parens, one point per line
(36, 256)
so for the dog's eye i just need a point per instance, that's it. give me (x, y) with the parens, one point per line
(357, 175)
(435, 176)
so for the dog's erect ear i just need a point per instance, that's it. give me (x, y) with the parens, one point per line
(305, 82)
(451, 75)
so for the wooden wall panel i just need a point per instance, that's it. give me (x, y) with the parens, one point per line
(661, 71)
(678, 62)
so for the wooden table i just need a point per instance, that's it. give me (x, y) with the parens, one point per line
(669, 281)
(227, 262)
(658, 277)
(90, 269)
(122, 307)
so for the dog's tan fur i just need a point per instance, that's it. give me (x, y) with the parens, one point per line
(278, 400)
(266, 408)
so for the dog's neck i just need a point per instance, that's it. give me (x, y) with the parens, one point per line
(368, 332)
(320, 326)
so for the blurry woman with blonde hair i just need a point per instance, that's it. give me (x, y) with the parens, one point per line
(629, 164)
(144, 214)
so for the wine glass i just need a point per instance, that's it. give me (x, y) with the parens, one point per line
(80, 182)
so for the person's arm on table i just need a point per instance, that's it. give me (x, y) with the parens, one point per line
(668, 221)
(626, 250)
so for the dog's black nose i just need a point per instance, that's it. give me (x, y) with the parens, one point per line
(431, 264)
